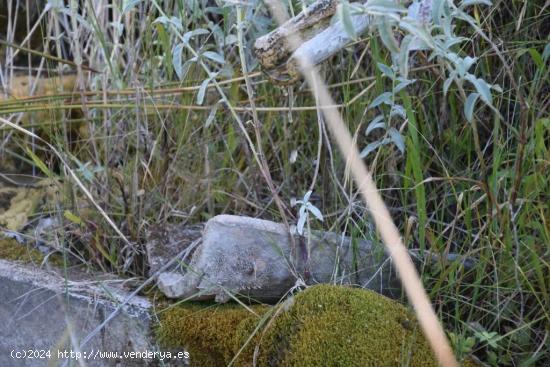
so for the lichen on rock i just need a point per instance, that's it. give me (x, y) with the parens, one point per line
(16, 205)
(325, 325)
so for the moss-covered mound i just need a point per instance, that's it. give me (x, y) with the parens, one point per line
(330, 325)
(325, 326)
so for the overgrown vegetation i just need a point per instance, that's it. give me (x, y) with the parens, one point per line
(158, 126)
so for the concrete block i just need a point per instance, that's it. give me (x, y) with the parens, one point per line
(40, 311)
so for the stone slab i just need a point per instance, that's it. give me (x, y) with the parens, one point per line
(39, 310)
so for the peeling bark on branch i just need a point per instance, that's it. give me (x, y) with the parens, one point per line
(329, 41)
(322, 39)
(272, 48)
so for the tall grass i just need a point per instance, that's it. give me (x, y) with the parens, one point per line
(146, 151)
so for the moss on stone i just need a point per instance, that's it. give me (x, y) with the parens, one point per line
(10, 249)
(331, 325)
(209, 333)
(325, 326)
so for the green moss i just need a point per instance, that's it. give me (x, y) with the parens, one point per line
(331, 325)
(10, 249)
(211, 334)
(326, 326)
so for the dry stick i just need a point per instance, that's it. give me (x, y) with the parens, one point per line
(26, 104)
(45, 55)
(416, 293)
(165, 91)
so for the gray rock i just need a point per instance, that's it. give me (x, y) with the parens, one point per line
(256, 258)
(171, 282)
(166, 241)
(40, 311)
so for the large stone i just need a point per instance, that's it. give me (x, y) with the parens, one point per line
(41, 311)
(256, 258)
(166, 241)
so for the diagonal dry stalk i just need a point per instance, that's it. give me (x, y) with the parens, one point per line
(388, 231)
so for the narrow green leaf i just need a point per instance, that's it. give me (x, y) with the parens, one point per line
(38, 162)
(397, 139)
(386, 70)
(214, 56)
(466, 3)
(546, 52)
(447, 85)
(403, 84)
(371, 147)
(129, 4)
(414, 161)
(383, 98)
(315, 211)
(482, 88)
(386, 35)
(72, 217)
(344, 15)
(537, 58)
(469, 106)
(437, 10)
(202, 89)
(398, 110)
(196, 32)
(384, 7)
(403, 59)
(376, 123)
(211, 115)
(177, 58)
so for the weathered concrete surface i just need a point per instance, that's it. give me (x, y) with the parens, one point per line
(254, 258)
(40, 311)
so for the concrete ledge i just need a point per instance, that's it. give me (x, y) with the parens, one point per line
(41, 311)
